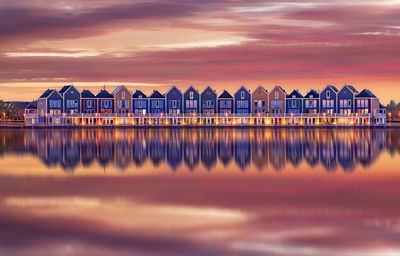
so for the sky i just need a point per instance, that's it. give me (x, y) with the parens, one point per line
(223, 43)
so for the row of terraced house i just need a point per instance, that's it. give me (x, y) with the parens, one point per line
(69, 106)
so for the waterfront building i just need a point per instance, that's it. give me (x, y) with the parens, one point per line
(242, 101)
(277, 101)
(157, 103)
(191, 101)
(122, 99)
(105, 102)
(50, 102)
(174, 101)
(259, 100)
(31, 110)
(294, 102)
(367, 103)
(328, 100)
(71, 99)
(346, 99)
(225, 103)
(311, 102)
(88, 102)
(208, 101)
(140, 103)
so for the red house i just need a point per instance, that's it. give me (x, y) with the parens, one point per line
(225, 103)
(88, 102)
(105, 102)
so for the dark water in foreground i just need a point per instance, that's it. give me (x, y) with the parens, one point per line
(200, 192)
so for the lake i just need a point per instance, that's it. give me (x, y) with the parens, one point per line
(273, 191)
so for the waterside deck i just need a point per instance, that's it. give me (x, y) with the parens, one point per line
(223, 120)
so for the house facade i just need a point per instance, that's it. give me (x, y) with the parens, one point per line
(157, 103)
(140, 103)
(225, 103)
(242, 103)
(294, 102)
(122, 99)
(366, 103)
(105, 102)
(277, 101)
(191, 101)
(259, 100)
(88, 102)
(311, 102)
(328, 100)
(71, 99)
(174, 100)
(346, 98)
(50, 103)
(208, 101)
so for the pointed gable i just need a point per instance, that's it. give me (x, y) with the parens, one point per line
(46, 93)
(225, 95)
(64, 89)
(86, 94)
(209, 90)
(156, 95)
(260, 89)
(139, 94)
(295, 94)
(103, 94)
(365, 94)
(312, 94)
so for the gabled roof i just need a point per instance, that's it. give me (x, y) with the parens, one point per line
(86, 94)
(138, 93)
(312, 92)
(381, 106)
(242, 88)
(31, 106)
(333, 88)
(64, 89)
(260, 87)
(225, 95)
(365, 94)
(119, 88)
(295, 93)
(47, 93)
(209, 88)
(103, 94)
(156, 95)
(18, 104)
(172, 88)
(279, 87)
(351, 88)
(191, 87)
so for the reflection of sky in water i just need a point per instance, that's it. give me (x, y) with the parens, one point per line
(300, 210)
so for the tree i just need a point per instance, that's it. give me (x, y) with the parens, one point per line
(4, 111)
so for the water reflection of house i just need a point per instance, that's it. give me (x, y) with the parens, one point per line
(191, 149)
(156, 148)
(139, 149)
(242, 149)
(174, 149)
(122, 155)
(328, 151)
(225, 146)
(346, 157)
(71, 155)
(259, 152)
(294, 148)
(208, 148)
(311, 147)
(105, 152)
(88, 150)
(277, 152)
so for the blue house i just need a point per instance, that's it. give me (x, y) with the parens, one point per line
(346, 98)
(294, 102)
(174, 101)
(191, 101)
(139, 103)
(328, 100)
(50, 102)
(157, 103)
(311, 102)
(242, 101)
(208, 101)
(72, 99)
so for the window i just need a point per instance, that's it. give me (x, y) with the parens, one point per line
(256, 104)
(119, 103)
(242, 95)
(276, 95)
(194, 103)
(358, 103)
(324, 103)
(307, 103)
(191, 95)
(328, 94)
(341, 103)
(349, 103)
(123, 95)
(127, 103)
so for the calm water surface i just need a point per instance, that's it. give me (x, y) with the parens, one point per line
(200, 192)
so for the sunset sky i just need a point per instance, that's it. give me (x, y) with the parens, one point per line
(154, 44)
